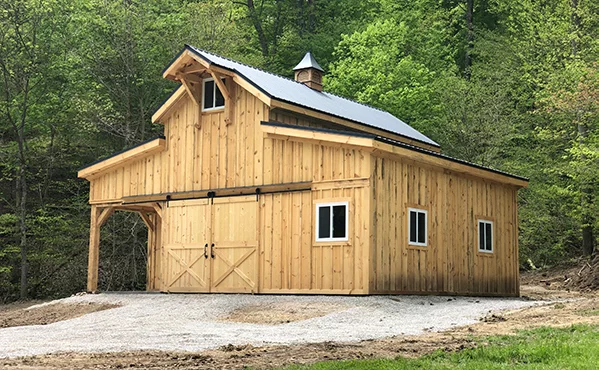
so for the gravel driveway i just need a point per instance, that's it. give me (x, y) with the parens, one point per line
(193, 322)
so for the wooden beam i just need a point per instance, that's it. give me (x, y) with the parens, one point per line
(190, 91)
(252, 89)
(147, 221)
(223, 89)
(189, 77)
(141, 151)
(217, 69)
(106, 213)
(357, 126)
(316, 136)
(171, 101)
(94, 251)
(222, 192)
(194, 68)
(105, 202)
(360, 182)
(170, 71)
(158, 209)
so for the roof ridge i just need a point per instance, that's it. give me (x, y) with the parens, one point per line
(297, 82)
(247, 65)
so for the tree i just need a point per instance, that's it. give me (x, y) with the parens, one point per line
(30, 40)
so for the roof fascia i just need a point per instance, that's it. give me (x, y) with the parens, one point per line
(165, 107)
(119, 159)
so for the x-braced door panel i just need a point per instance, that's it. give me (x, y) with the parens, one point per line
(235, 243)
(185, 246)
(210, 245)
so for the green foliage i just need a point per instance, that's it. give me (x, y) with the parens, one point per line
(80, 80)
(576, 347)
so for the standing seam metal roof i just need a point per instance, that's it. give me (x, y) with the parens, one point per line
(296, 93)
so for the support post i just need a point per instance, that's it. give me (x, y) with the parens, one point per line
(94, 251)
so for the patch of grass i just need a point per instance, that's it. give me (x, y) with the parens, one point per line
(576, 347)
(559, 306)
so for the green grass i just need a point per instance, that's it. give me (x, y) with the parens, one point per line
(576, 347)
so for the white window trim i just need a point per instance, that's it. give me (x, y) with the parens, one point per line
(492, 236)
(425, 244)
(331, 204)
(213, 95)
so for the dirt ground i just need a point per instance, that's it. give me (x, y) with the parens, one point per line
(281, 313)
(581, 307)
(22, 313)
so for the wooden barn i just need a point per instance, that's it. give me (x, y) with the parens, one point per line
(263, 184)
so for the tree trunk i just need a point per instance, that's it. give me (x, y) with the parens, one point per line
(258, 26)
(469, 39)
(22, 192)
(586, 189)
(23, 229)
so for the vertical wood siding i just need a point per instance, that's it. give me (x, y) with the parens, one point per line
(203, 152)
(451, 263)
(290, 259)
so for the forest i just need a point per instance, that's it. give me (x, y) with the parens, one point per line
(510, 84)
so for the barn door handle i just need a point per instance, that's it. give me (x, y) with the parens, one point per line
(212, 250)
(206, 251)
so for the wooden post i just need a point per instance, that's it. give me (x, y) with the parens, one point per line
(150, 263)
(94, 251)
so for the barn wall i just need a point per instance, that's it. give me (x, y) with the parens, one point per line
(451, 262)
(288, 161)
(203, 152)
(290, 259)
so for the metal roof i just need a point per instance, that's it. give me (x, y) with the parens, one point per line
(296, 93)
(308, 62)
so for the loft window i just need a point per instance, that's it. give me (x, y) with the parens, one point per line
(212, 96)
(485, 236)
(417, 225)
(331, 222)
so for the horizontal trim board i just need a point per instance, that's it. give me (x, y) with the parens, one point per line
(223, 192)
(447, 294)
(313, 291)
(140, 150)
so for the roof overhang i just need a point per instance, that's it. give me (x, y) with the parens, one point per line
(378, 145)
(119, 159)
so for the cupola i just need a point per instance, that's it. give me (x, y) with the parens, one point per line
(309, 72)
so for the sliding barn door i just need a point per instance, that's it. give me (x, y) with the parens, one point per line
(235, 243)
(186, 238)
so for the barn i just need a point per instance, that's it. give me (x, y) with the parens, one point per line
(263, 184)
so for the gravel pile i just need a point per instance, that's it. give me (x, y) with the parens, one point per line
(193, 322)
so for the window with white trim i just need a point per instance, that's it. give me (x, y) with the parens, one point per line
(485, 236)
(212, 97)
(417, 226)
(332, 221)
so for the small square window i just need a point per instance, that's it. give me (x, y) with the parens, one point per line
(212, 96)
(485, 236)
(331, 222)
(417, 227)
